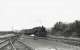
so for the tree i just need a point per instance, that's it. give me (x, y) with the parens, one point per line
(58, 28)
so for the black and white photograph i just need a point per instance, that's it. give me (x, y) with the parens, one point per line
(39, 24)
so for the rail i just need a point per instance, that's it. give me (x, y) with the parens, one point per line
(10, 40)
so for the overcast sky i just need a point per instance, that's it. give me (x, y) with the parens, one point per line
(20, 14)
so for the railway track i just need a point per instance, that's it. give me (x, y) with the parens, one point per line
(17, 45)
(13, 43)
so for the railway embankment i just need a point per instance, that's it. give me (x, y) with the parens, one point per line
(67, 40)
